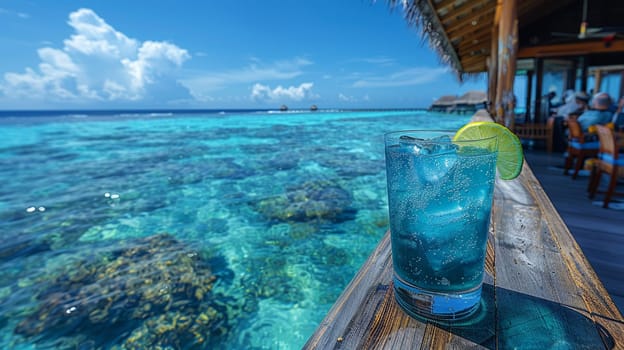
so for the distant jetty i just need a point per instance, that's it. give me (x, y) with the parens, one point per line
(469, 102)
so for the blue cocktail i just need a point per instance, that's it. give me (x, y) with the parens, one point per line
(440, 198)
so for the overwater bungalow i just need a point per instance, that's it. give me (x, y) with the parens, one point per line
(468, 103)
(540, 290)
(471, 101)
(443, 104)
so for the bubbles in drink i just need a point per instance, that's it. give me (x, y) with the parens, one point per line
(440, 198)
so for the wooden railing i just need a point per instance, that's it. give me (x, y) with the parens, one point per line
(536, 131)
(540, 291)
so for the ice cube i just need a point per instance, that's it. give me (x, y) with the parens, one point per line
(440, 156)
(433, 146)
(406, 140)
(440, 229)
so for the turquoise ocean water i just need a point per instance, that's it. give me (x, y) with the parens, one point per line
(187, 231)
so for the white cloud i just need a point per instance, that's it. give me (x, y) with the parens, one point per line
(407, 77)
(345, 98)
(202, 84)
(21, 15)
(95, 37)
(96, 63)
(381, 60)
(296, 93)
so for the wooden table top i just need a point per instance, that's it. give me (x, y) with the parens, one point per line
(540, 291)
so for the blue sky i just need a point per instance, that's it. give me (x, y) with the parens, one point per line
(216, 54)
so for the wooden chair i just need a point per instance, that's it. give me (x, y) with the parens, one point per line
(536, 132)
(610, 161)
(578, 148)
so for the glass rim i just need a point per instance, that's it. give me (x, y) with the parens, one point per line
(448, 132)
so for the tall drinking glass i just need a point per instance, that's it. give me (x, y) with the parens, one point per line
(440, 198)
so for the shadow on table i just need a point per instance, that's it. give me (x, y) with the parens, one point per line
(526, 322)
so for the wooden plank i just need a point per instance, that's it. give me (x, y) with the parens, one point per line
(474, 38)
(377, 322)
(478, 45)
(444, 5)
(539, 291)
(573, 49)
(471, 33)
(596, 298)
(464, 10)
(482, 20)
(472, 60)
(477, 67)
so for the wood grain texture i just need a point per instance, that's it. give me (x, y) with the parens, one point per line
(599, 232)
(540, 291)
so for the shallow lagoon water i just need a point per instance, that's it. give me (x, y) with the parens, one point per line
(193, 231)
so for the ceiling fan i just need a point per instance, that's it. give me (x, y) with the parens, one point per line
(606, 33)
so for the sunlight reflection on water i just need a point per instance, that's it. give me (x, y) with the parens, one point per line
(112, 223)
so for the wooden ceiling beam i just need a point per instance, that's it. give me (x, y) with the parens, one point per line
(478, 39)
(483, 20)
(480, 34)
(478, 67)
(471, 49)
(463, 10)
(471, 60)
(482, 50)
(470, 32)
(530, 11)
(572, 49)
(472, 43)
(444, 5)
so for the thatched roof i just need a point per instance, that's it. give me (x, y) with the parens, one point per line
(469, 98)
(472, 97)
(446, 100)
(461, 30)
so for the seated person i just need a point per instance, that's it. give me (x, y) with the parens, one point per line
(569, 106)
(598, 114)
(576, 104)
(618, 116)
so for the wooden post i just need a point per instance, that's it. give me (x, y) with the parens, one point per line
(621, 92)
(492, 63)
(492, 73)
(583, 61)
(539, 75)
(597, 81)
(507, 52)
(571, 76)
(529, 90)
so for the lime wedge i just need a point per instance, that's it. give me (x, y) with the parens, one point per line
(510, 155)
